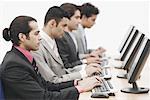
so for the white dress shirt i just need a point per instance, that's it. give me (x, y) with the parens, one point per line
(51, 43)
(74, 40)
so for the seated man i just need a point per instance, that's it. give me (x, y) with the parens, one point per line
(47, 57)
(88, 16)
(19, 74)
(67, 46)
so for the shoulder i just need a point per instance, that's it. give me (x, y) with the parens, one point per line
(13, 60)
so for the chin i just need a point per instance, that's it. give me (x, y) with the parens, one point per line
(59, 37)
(89, 26)
(35, 49)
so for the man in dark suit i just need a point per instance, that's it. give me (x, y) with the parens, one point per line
(19, 74)
(67, 45)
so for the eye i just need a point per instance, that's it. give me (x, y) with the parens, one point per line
(65, 25)
(37, 33)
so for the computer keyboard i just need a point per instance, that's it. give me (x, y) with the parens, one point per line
(107, 63)
(105, 73)
(104, 62)
(106, 87)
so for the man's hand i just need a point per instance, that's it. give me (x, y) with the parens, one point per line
(98, 52)
(93, 60)
(93, 68)
(89, 83)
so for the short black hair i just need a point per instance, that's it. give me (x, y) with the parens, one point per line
(55, 13)
(19, 25)
(69, 8)
(88, 10)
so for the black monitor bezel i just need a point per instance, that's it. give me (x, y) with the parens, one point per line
(139, 61)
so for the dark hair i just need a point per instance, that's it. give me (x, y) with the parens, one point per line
(88, 10)
(55, 13)
(19, 25)
(69, 8)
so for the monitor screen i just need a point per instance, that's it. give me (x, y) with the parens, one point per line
(128, 61)
(137, 67)
(125, 39)
(139, 61)
(133, 52)
(128, 44)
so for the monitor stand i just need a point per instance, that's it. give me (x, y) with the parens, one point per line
(135, 89)
(118, 67)
(124, 76)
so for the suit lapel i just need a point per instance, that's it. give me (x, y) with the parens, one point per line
(71, 43)
(48, 48)
(84, 44)
(28, 63)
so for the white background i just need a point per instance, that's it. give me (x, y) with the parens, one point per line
(111, 25)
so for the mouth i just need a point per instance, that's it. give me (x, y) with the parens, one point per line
(38, 43)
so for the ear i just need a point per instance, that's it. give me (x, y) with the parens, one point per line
(84, 17)
(22, 37)
(52, 23)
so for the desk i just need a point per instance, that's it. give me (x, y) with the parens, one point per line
(119, 84)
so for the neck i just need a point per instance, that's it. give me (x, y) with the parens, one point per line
(48, 31)
(23, 47)
(83, 22)
(67, 29)
(83, 25)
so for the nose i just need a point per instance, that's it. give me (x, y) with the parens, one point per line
(79, 20)
(39, 37)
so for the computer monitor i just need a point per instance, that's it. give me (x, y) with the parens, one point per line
(128, 44)
(125, 39)
(137, 67)
(131, 54)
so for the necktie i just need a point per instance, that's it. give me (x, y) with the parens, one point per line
(34, 65)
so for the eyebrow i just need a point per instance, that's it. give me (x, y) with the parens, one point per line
(65, 24)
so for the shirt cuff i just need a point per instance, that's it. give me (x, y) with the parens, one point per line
(76, 82)
(82, 71)
(80, 89)
(84, 61)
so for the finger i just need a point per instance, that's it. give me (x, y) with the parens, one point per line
(97, 84)
(95, 65)
(99, 70)
(93, 55)
(98, 78)
(98, 62)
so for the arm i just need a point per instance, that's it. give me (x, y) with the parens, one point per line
(27, 86)
(64, 53)
(45, 66)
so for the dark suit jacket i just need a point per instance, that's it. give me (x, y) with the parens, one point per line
(67, 51)
(21, 81)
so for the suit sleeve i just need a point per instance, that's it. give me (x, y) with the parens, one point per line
(27, 87)
(63, 51)
(89, 50)
(46, 71)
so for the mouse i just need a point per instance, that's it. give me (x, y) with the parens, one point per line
(99, 95)
(107, 77)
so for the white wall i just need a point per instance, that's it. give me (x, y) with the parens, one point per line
(112, 23)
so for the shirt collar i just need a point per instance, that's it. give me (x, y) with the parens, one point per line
(81, 30)
(26, 53)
